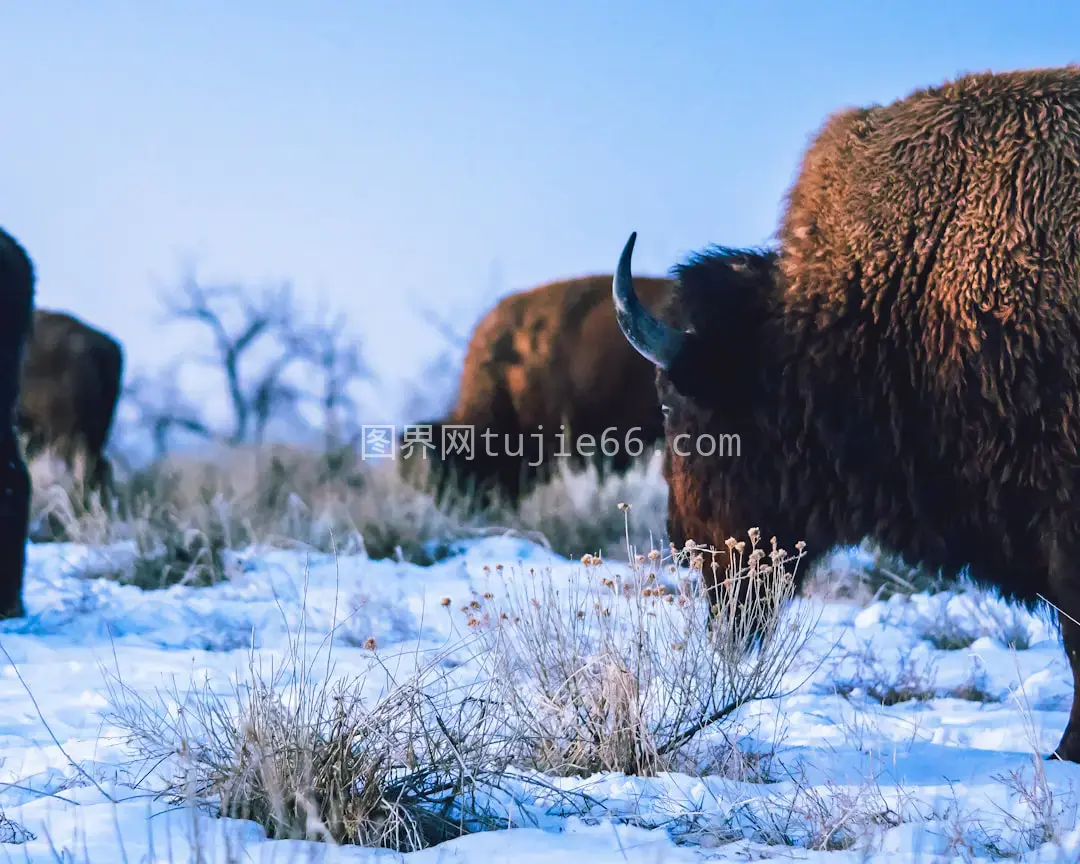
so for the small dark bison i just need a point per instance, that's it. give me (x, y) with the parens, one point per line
(905, 365)
(545, 368)
(16, 309)
(71, 384)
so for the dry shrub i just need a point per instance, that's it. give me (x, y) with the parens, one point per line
(873, 679)
(612, 674)
(422, 764)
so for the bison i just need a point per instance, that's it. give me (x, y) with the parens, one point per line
(70, 387)
(16, 308)
(905, 363)
(545, 368)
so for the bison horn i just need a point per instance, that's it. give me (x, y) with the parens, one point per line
(652, 339)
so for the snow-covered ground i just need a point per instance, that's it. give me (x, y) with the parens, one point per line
(932, 779)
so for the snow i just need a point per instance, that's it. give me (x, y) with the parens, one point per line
(938, 765)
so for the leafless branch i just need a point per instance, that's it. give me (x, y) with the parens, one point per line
(269, 358)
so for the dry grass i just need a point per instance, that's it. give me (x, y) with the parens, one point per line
(871, 678)
(611, 674)
(182, 516)
(421, 764)
(967, 614)
(577, 511)
(878, 575)
(624, 678)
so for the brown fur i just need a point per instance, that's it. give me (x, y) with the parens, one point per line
(71, 385)
(907, 366)
(16, 305)
(548, 357)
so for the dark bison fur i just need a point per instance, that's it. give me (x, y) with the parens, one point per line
(16, 308)
(906, 365)
(71, 384)
(547, 362)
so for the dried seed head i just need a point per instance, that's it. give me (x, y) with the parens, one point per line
(488, 595)
(586, 559)
(654, 555)
(445, 601)
(754, 534)
(623, 506)
(640, 559)
(370, 643)
(800, 545)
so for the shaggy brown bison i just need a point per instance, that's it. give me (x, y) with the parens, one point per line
(906, 364)
(16, 307)
(544, 369)
(70, 386)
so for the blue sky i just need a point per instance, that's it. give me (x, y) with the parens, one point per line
(386, 156)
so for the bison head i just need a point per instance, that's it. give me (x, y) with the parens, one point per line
(708, 362)
(714, 354)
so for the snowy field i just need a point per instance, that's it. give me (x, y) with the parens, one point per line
(909, 734)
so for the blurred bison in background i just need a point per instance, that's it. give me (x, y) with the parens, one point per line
(906, 365)
(70, 387)
(16, 308)
(544, 368)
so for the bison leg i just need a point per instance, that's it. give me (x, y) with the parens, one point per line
(14, 526)
(1065, 593)
(1069, 747)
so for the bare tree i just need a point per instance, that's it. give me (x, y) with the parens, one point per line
(338, 364)
(269, 359)
(161, 408)
(239, 325)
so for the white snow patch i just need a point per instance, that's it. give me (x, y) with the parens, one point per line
(934, 768)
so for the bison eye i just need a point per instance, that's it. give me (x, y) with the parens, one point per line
(666, 409)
